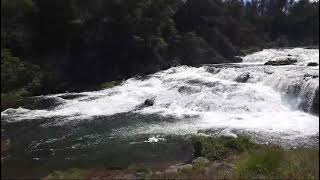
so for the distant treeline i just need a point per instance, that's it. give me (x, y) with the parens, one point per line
(49, 46)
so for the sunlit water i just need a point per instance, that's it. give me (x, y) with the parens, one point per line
(111, 127)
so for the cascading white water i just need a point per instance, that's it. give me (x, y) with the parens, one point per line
(206, 98)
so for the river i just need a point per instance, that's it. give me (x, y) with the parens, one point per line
(111, 127)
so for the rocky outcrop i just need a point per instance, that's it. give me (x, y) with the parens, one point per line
(244, 77)
(281, 62)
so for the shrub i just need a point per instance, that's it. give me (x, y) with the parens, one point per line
(110, 84)
(14, 73)
(13, 99)
(69, 174)
(217, 148)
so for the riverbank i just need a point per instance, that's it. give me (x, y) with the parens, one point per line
(218, 158)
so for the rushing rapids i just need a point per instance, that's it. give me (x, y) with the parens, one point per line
(271, 103)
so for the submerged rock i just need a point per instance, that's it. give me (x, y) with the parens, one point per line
(281, 62)
(213, 70)
(188, 90)
(312, 64)
(244, 77)
(71, 96)
(149, 102)
(237, 59)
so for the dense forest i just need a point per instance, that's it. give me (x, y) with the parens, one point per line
(50, 46)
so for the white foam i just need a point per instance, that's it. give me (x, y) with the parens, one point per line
(210, 100)
(304, 56)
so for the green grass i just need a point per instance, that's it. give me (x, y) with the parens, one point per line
(280, 163)
(254, 161)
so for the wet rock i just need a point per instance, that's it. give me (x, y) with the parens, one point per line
(315, 103)
(308, 76)
(185, 168)
(224, 169)
(237, 59)
(173, 169)
(43, 103)
(187, 90)
(281, 62)
(149, 102)
(213, 70)
(312, 64)
(244, 77)
(70, 96)
(200, 161)
(203, 83)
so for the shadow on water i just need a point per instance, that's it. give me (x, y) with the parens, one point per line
(37, 148)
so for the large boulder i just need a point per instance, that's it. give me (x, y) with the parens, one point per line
(312, 64)
(242, 78)
(281, 62)
(149, 102)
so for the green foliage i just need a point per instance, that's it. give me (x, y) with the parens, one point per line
(69, 174)
(217, 148)
(89, 42)
(13, 99)
(11, 8)
(14, 73)
(110, 84)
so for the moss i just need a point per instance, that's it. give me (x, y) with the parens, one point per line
(109, 84)
(69, 174)
(217, 148)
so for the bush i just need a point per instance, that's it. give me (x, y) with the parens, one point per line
(110, 84)
(15, 73)
(13, 99)
(217, 148)
(69, 174)
(11, 8)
